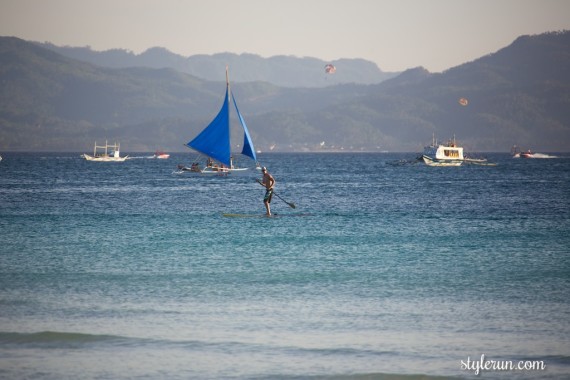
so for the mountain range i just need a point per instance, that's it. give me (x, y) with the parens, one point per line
(282, 71)
(54, 101)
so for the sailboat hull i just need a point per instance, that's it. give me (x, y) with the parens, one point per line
(223, 171)
(435, 162)
(212, 170)
(104, 158)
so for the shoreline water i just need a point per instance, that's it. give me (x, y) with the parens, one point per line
(400, 271)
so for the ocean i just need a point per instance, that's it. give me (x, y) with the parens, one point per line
(386, 269)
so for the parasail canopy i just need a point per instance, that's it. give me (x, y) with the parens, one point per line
(330, 69)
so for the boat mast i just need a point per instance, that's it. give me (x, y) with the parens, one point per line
(227, 77)
(229, 124)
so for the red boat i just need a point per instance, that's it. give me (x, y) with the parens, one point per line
(161, 155)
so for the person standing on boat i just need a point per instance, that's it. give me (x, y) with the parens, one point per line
(268, 181)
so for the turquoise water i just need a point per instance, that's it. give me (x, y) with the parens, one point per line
(385, 269)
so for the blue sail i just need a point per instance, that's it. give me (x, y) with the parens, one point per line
(214, 140)
(248, 149)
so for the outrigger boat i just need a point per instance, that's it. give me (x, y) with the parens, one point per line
(448, 154)
(443, 155)
(104, 156)
(214, 142)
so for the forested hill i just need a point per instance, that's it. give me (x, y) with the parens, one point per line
(283, 71)
(517, 95)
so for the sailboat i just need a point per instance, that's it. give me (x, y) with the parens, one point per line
(214, 141)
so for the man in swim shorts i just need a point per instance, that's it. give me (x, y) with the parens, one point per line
(268, 181)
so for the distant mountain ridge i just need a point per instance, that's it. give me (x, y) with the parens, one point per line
(517, 95)
(283, 71)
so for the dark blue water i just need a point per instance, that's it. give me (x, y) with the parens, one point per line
(385, 266)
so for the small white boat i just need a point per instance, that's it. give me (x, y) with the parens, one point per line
(107, 153)
(443, 155)
(518, 153)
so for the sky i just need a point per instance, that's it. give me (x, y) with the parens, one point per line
(394, 34)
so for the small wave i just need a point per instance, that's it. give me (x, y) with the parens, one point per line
(369, 376)
(57, 158)
(403, 162)
(343, 351)
(549, 359)
(56, 339)
(538, 155)
(59, 339)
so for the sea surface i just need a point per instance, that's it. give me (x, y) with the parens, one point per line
(385, 269)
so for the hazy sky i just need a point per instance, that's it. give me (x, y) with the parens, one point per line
(395, 34)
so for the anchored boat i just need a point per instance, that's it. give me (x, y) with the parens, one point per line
(443, 154)
(449, 154)
(106, 153)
